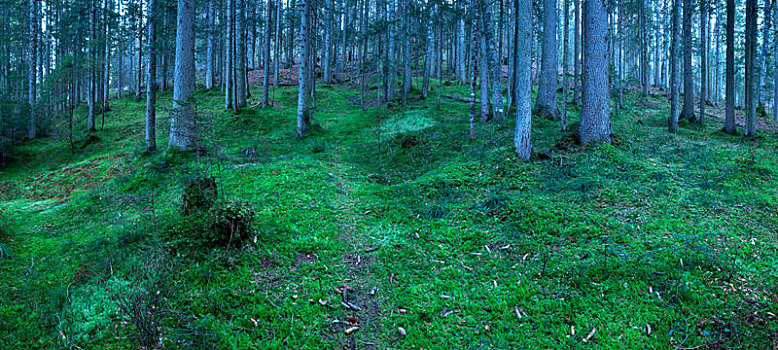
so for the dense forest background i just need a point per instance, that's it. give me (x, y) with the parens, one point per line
(235, 174)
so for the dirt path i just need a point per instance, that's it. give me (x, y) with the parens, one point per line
(361, 291)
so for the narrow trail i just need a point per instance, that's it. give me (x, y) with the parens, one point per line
(360, 289)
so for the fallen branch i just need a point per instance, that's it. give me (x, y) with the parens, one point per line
(458, 98)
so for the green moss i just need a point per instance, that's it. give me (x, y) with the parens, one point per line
(671, 232)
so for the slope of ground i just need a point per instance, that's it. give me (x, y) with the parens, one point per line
(392, 218)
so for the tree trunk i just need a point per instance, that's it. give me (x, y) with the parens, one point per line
(751, 78)
(546, 102)
(240, 54)
(229, 68)
(475, 51)
(151, 78)
(266, 64)
(766, 26)
(675, 71)
(182, 122)
(495, 65)
(407, 77)
(277, 55)
(106, 60)
(211, 45)
(460, 53)
(729, 122)
(33, 70)
(775, 63)
(595, 112)
(565, 62)
(577, 54)
(328, 29)
(429, 61)
(522, 138)
(483, 67)
(92, 69)
(304, 94)
(688, 72)
(139, 72)
(703, 59)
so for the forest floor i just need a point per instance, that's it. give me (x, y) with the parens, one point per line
(393, 218)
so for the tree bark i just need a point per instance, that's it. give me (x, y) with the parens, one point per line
(703, 59)
(495, 65)
(688, 72)
(483, 68)
(729, 122)
(328, 49)
(92, 69)
(151, 78)
(211, 45)
(304, 93)
(546, 102)
(266, 65)
(675, 71)
(182, 122)
(751, 74)
(595, 124)
(565, 63)
(33, 70)
(577, 54)
(240, 54)
(229, 69)
(522, 138)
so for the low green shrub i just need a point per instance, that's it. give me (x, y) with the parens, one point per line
(230, 222)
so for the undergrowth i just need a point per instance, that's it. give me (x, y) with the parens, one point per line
(385, 218)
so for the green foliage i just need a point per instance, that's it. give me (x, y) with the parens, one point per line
(671, 232)
(230, 222)
(87, 316)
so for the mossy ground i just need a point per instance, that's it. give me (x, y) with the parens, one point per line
(656, 241)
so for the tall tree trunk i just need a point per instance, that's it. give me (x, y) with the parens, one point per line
(577, 54)
(429, 61)
(766, 27)
(595, 112)
(495, 65)
(182, 123)
(106, 59)
(546, 102)
(407, 76)
(565, 62)
(151, 78)
(703, 59)
(751, 73)
(460, 53)
(729, 122)
(266, 65)
(229, 68)
(475, 51)
(277, 55)
(522, 137)
(483, 68)
(240, 54)
(688, 72)
(391, 73)
(92, 69)
(775, 63)
(644, 63)
(211, 46)
(139, 71)
(33, 70)
(304, 93)
(328, 49)
(675, 71)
